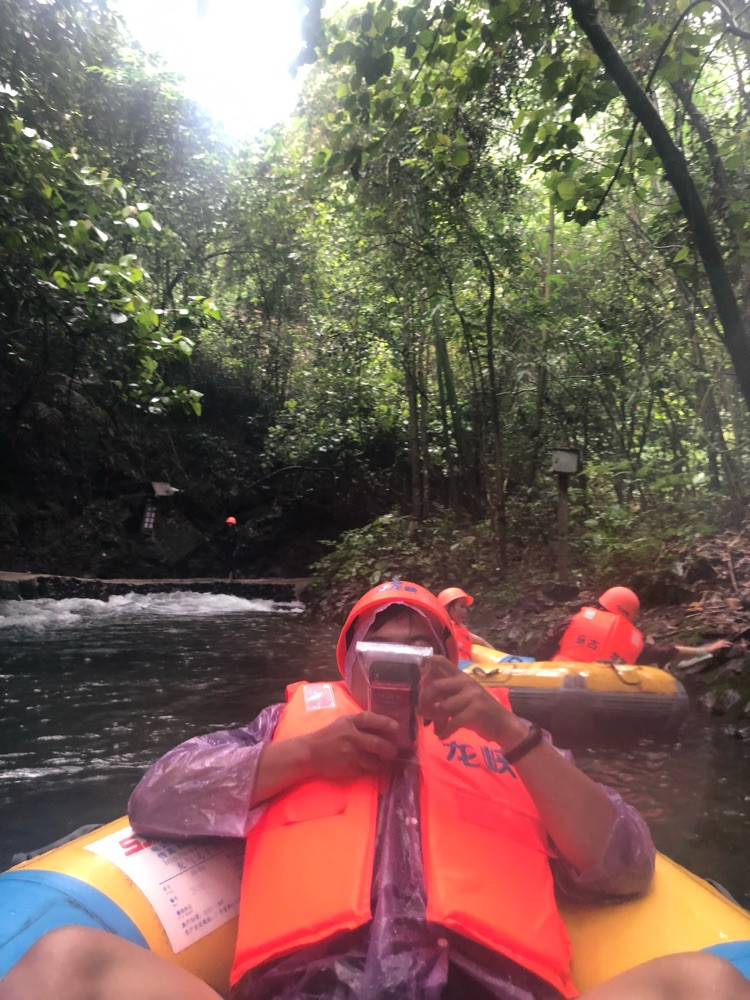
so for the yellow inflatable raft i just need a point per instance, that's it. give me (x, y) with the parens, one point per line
(561, 695)
(180, 900)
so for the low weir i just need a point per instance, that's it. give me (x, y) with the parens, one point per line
(29, 586)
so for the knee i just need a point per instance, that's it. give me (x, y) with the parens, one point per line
(713, 976)
(63, 963)
(68, 949)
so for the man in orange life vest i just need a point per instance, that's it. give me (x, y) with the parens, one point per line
(457, 603)
(375, 874)
(607, 631)
(370, 874)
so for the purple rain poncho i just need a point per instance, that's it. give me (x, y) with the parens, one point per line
(203, 788)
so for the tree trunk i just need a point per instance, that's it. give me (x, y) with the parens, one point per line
(541, 368)
(676, 169)
(413, 404)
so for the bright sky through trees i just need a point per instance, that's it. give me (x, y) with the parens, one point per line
(234, 54)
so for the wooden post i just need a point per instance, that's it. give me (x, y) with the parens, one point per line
(564, 462)
(563, 550)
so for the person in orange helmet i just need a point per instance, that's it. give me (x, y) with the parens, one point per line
(426, 873)
(606, 631)
(457, 603)
(357, 847)
(229, 546)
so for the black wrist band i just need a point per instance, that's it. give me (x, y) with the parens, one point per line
(532, 739)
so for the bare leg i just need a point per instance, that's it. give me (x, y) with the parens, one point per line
(80, 963)
(691, 975)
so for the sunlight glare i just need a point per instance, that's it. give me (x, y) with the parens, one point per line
(234, 54)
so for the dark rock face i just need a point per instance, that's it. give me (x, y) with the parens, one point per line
(720, 702)
(660, 589)
(701, 570)
(556, 591)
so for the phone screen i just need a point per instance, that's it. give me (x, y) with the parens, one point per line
(393, 690)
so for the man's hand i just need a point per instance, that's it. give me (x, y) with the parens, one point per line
(452, 699)
(714, 647)
(352, 746)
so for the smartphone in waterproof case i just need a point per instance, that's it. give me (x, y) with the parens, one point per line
(392, 672)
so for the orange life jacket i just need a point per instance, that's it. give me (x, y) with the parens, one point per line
(594, 634)
(308, 863)
(463, 640)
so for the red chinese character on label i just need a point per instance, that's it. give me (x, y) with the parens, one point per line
(133, 844)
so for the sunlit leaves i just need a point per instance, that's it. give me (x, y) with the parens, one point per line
(460, 156)
(567, 190)
(70, 244)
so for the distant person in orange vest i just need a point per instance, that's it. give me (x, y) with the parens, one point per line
(457, 603)
(375, 871)
(606, 631)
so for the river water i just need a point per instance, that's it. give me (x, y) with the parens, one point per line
(92, 692)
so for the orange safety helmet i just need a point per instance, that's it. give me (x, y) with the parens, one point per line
(451, 594)
(396, 592)
(621, 601)
(231, 520)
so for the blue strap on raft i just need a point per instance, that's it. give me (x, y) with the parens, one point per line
(33, 902)
(508, 658)
(736, 952)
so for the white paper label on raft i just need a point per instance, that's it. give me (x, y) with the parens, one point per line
(194, 886)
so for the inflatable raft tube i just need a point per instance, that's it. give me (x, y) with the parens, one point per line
(180, 899)
(557, 693)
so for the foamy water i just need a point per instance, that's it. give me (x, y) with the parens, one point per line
(45, 614)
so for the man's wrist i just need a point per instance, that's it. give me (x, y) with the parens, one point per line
(531, 740)
(305, 763)
(513, 731)
(293, 759)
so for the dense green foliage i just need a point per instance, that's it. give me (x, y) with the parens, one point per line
(462, 252)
